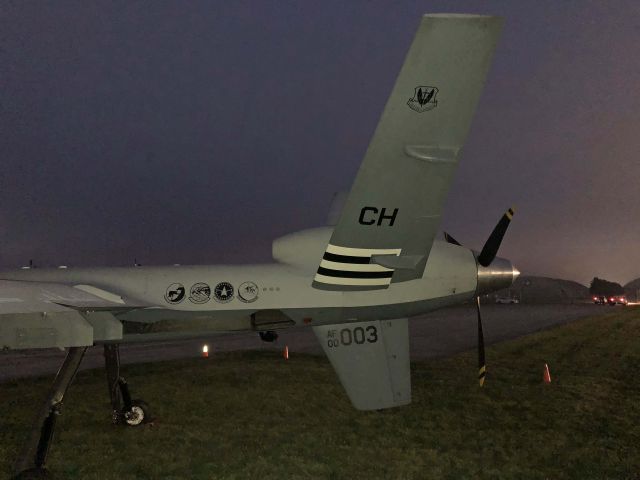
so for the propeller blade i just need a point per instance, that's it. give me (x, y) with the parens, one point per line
(490, 249)
(482, 368)
(450, 239)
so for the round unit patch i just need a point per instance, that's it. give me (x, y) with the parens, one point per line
(223, 292)
(200, 293)
(175, 293)
(248, 292)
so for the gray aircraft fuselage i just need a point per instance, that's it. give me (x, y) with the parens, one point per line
(450, 277)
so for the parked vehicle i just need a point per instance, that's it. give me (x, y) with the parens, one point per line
(618, 300)
(599, 299)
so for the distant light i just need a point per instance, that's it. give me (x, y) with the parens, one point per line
(62, 266)
(26, 268)
(205, 349)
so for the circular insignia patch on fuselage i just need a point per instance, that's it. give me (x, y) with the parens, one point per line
(200, 293)
(223, 292)
(175, 293)
(248, 292)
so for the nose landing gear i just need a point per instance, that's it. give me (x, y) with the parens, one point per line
(125, 411)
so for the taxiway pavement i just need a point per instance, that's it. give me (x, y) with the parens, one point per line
(436, 334)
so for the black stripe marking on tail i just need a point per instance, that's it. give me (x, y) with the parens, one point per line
(349, 274)
(333, 257)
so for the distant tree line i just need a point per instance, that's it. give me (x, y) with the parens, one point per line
(600, 286)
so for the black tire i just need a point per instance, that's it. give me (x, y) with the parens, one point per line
(139, 414)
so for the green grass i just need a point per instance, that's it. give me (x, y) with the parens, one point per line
(254, 415)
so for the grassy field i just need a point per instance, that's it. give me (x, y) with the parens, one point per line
(255, 415)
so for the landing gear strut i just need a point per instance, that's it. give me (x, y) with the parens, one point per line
(32, 459)
(124, 411)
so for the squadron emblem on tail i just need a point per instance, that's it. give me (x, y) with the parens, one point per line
(424, 98)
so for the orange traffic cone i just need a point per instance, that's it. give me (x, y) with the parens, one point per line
(205, 351)
(285, 354)
(546, 375)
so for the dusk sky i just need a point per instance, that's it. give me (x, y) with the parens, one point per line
(197, 132)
